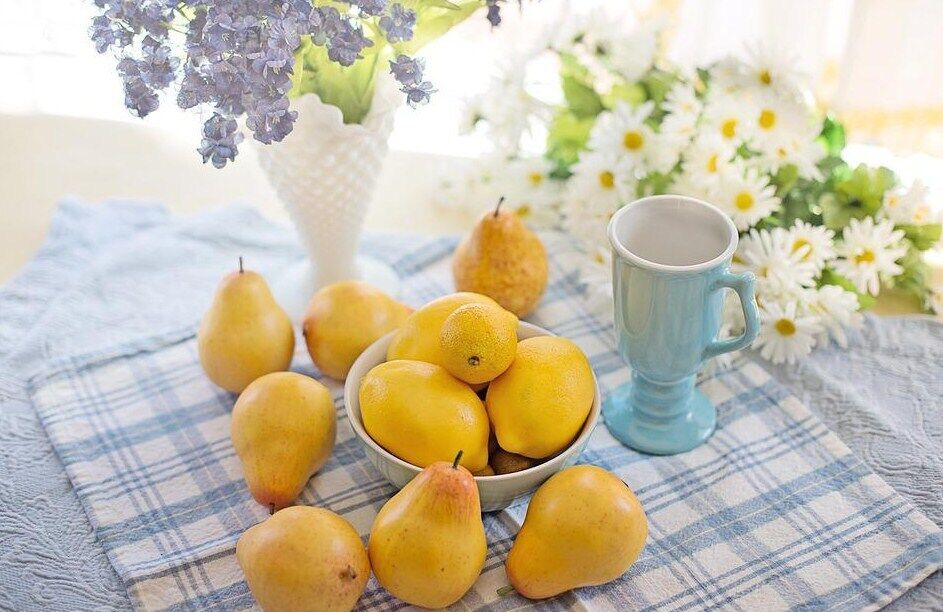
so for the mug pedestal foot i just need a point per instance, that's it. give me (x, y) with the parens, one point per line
(640, 430)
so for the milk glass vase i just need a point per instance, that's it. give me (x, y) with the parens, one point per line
(325, 174)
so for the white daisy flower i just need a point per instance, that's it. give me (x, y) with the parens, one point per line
(727, 76)
(746, 195)
(796, 146)
(529, 190)
(869, 252)
(837, 310)
(813, 243)
(631, 55)
(596, 278)
(903, 206)
(707, 159)
(780, 271)
(603, 177)
(687, 184)
(773, 119)
(772, 67)
(728, 116)
(683, 109)
(623, 131)
(936, 300)
(786, 334)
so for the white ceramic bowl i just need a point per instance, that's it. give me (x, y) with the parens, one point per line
(496, 492)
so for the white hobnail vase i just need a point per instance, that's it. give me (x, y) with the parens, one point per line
(325, 173)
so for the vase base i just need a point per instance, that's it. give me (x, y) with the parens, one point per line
(295, 286)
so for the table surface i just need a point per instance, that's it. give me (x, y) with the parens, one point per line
(47, 158)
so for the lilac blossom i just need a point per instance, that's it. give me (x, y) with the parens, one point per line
(237, 57)
(398, 23)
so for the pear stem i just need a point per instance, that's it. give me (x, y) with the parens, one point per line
(458, 458)
(505, 590)
(240, 265)
(271, 508)
(498, 207)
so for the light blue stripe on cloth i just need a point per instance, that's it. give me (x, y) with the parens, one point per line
(774, 512)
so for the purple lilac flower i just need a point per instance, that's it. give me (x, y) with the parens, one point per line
(398, 23)
(407, 70)
(369, 7)
(347, 44)
(220, 140)
(271, 121)
(138, 97)
(238, 57)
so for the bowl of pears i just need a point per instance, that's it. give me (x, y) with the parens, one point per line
(464, 374)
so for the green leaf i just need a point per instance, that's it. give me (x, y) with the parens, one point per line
(916, 275)
(832, 135)
(858, 194)
(923, 237)
(433, 19)
(657, 83)
(348, 88)
(567, 136)
(582, 99)
(831, 277)
(633, 93)
(785, 179)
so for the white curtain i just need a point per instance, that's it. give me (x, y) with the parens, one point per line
(878, 63)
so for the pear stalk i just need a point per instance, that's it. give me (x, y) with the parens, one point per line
(241, 270)
(458, 458)
(497, 208)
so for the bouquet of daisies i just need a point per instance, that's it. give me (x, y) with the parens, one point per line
(246, 59)
(822, 237)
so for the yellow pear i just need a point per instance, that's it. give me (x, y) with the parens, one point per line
(422, 414)
(502, 259)
(540, 403)
(583, 527)
(343, 319)
(304, 559)
(478, 342)
(245, 333)
(418, 337)
(427, 545)
(283, 430)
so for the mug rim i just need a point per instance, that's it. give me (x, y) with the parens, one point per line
(618, 247)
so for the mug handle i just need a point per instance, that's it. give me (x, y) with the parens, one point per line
(743, 285)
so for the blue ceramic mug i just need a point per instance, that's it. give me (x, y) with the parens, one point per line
(670, 267)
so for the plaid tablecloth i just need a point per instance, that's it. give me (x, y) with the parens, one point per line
(773, 512)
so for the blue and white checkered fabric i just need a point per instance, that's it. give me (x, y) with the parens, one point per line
(773, 512)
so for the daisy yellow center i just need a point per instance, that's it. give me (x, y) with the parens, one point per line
(607, 179)
(767, 119)
(712, 163)
(535, 178)
(743, 201)
(865, 256)
(892, 201)
(782, 152)
(729, 128)
(633, 141)
(785, 327)
(599, 258)
(800, 243)
(765, 77)
(920, 215)
(523, 210)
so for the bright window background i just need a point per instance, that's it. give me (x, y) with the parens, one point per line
(879, 62)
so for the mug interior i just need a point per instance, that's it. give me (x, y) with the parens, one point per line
(673, 231)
